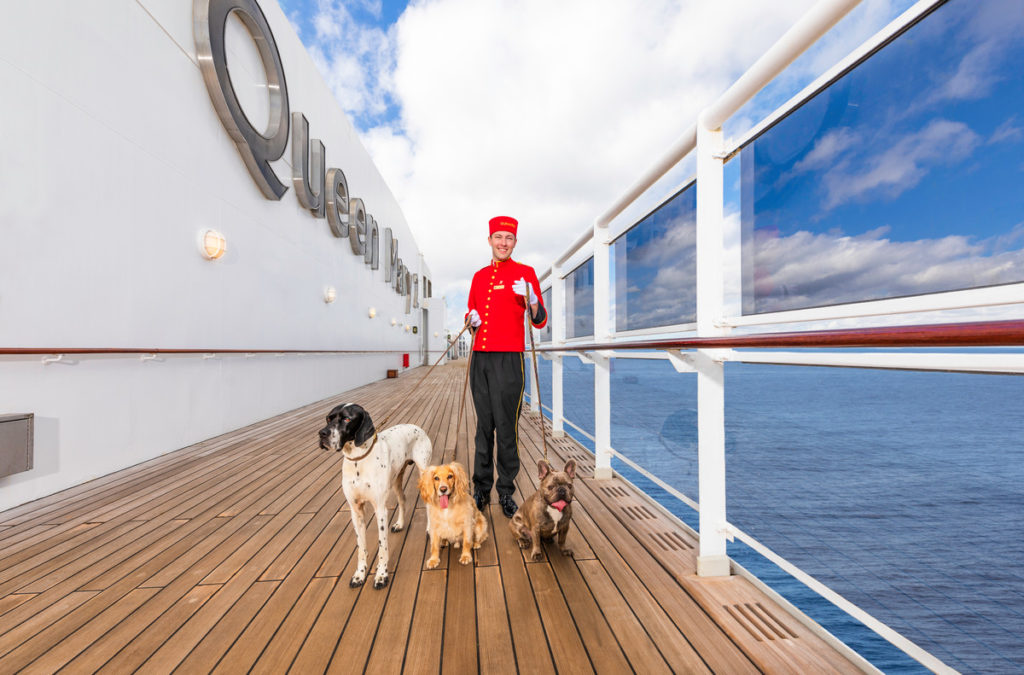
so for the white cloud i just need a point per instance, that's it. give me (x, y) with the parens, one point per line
(356, 60)
(901, 166)
(546, 111)
(811, 270)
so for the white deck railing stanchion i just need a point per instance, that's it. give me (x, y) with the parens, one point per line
(712, 559)
(602, 362)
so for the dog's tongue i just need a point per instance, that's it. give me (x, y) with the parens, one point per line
(443, 499)
(560, 504)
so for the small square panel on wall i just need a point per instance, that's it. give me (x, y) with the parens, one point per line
(15, 443)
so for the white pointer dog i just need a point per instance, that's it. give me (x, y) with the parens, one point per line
(374, 463)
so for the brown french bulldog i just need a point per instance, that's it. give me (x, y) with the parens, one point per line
(548, 511)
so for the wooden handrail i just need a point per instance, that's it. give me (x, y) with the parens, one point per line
(979, 334)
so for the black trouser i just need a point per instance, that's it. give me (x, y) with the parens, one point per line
(497, 381)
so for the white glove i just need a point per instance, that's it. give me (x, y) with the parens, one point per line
(474, 319)
(525, 289)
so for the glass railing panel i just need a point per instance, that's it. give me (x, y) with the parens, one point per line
(655, 266)
(912, 511)
(579, 301)
(900, 178)
(577, 395)
(545, 333)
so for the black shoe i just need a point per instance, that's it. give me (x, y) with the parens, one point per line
(482, 499)
(508, 505)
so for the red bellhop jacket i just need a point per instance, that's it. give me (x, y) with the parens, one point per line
(500, 309)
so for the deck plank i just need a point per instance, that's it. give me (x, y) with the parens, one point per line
(234, 554)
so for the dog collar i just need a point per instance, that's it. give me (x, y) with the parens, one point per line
(365, 454)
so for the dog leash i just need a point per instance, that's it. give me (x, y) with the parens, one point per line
(412, 391)
(540, 401)
(462, 404)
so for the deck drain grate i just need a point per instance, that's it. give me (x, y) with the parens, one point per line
(614, 492)
(638, 513)
(759, 622)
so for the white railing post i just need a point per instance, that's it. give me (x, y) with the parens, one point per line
(557, 319)
(712, 559)
(602, 363)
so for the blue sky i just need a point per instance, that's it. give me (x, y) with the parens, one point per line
(885, 186)
(546, 111)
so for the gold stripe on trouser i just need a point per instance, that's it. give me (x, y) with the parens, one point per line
(519, 406)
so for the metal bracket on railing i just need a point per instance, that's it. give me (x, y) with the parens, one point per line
(148, 357)
(249, 355)
(47, 360)
(584, 357)
(683, 363)
(209, 356)
(729, 532)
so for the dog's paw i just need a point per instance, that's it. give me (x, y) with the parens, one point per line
(466, 558)
(380, 582)
(537, 555)
(397, 527)
(433, 563)
(523, 543)
(567, 551)
(357, 581)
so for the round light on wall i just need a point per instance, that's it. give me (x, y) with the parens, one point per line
(394, 322)
(330, 294)
(372, 312)
(212, 244)
(407, 328)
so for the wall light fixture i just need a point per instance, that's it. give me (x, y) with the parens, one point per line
(212, 244)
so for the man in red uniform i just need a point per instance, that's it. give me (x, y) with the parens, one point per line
(498, 298)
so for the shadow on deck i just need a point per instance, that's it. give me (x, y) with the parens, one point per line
(234, 555)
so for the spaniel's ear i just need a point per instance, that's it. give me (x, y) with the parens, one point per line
(426, 484)
(543, 468)
(461, 480)
(366, 429)
(570, 468)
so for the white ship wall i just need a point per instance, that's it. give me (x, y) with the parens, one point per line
(113, 161)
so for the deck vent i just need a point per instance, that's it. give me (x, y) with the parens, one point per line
(759, 622)
(671, 541)
(15, 443)
(638, 513)
(614, 491)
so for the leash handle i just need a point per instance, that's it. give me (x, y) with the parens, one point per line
(536, 378)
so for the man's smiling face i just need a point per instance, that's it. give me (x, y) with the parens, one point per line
(502, 244)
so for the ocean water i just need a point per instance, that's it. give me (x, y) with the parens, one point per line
(902, 491)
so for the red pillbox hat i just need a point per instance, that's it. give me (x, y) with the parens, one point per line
(504, 224)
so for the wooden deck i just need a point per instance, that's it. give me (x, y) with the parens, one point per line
(234, 555)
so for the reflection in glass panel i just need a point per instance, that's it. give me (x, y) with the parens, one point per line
(656, 266)
(903, 177)
(545, 333)
(579, 301)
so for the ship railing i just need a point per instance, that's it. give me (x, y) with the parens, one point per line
(722, 333)
(682, 354)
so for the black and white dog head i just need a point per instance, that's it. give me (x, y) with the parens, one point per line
(347, 422)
